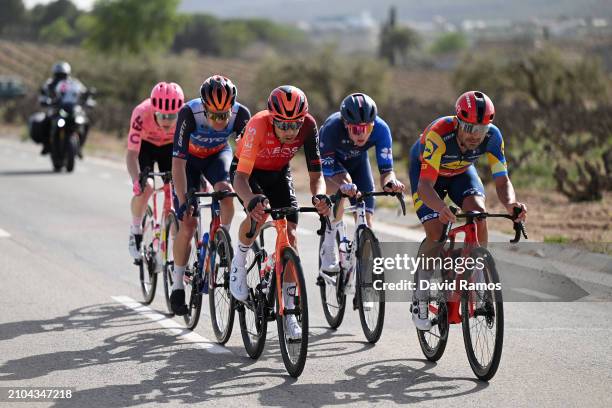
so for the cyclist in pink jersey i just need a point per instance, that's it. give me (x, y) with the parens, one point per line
(150, 141)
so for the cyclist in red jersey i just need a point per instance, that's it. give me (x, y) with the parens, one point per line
(261, 175)
(150, 141)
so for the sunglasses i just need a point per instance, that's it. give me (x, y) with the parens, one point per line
(359, 128)
(165, 116)
(284, 125)
(218, 116)
(471, 128)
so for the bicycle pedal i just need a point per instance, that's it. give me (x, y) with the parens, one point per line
(320, 281)
(138, 262)
(355, 305)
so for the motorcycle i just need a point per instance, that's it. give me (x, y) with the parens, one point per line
(68, 122)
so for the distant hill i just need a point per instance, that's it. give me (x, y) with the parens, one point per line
(408, 10)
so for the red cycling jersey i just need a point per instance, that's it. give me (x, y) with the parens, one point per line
(260, 149)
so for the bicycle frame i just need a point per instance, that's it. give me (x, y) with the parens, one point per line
(167, 206)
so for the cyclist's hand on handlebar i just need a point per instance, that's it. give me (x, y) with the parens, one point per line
(184, 213)
(323, 204)
(348, 189)
(446, 215)
(521, 217)
(136, 188)
(395, 186)
(257, 207)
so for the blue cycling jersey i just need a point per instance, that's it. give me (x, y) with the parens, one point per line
(337, 148)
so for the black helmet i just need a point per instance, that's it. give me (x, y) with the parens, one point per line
(358, 108)
(61, 69)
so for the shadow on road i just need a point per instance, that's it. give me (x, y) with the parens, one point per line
(11, 173)
(190, 375)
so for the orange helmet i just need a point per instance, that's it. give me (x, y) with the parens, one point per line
(218, 94)
(287, 103)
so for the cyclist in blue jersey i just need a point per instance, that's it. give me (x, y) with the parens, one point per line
(201, 149)
(344, 141)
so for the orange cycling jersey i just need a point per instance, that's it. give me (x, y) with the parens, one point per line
(260, 149)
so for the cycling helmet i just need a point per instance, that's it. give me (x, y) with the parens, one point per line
(358, 108)
(167, 97)
(475, 107)
(287, 103)
(218, 94)
(61, 70)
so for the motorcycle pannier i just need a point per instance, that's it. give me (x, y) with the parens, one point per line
(39, 127)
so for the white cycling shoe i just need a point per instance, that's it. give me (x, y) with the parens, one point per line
(420, 311)
(133, 244)
(238, 282)
(293, 328)
(329, 259)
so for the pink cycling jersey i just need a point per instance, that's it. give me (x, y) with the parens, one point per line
(144, 127)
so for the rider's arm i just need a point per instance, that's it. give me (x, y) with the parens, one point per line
(242, 118)
(497, 163)
(430, 165)
(185, 125)
(313, 158)
(133, 144)
(384, 156)
(255, 130)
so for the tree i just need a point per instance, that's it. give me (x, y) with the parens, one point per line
(396, 42)
(13, 14)
(45, 14)
(57, 32)
(449, 42)
(132, 26)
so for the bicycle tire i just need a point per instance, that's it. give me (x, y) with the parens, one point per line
(365, 281)
(326, 290)
(219, 286)
(440, 329)
(148, 277)
(294, 366)
(493, 304)
(254, 322)
(194, 301)
(171, 225)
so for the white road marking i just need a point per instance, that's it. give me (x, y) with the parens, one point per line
(536, 293)
(4, 234)
(104, 176)
(173, 326)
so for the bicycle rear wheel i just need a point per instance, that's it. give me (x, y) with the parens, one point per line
(433, 342)
(253, 316)
(482, 314)
(294, 351)
(371, 302)
(332, 298)
(171, 229)
(220, 299)
(194, 279)
(148, 277)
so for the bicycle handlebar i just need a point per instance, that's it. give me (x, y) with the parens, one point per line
(148, 173)
(360, 197)
(278, 213)
(519, 227)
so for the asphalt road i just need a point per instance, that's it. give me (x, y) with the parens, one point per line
(70, 317)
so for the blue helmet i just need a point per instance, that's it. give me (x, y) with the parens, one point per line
(358, 108)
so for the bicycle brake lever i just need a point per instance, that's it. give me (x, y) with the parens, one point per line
(400, 198)
(252, 230)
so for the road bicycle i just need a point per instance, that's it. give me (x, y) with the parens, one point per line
(208, 268)
(356, 257)
(154, 243)
(475, 300)
(265, 303)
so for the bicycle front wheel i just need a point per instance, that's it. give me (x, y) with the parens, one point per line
(220, 299)
(170, 230)
(254, 313)
(332, 299)
(371, 302)
(194, 280)
(148, 277)
(482, 315)
(293, 348)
